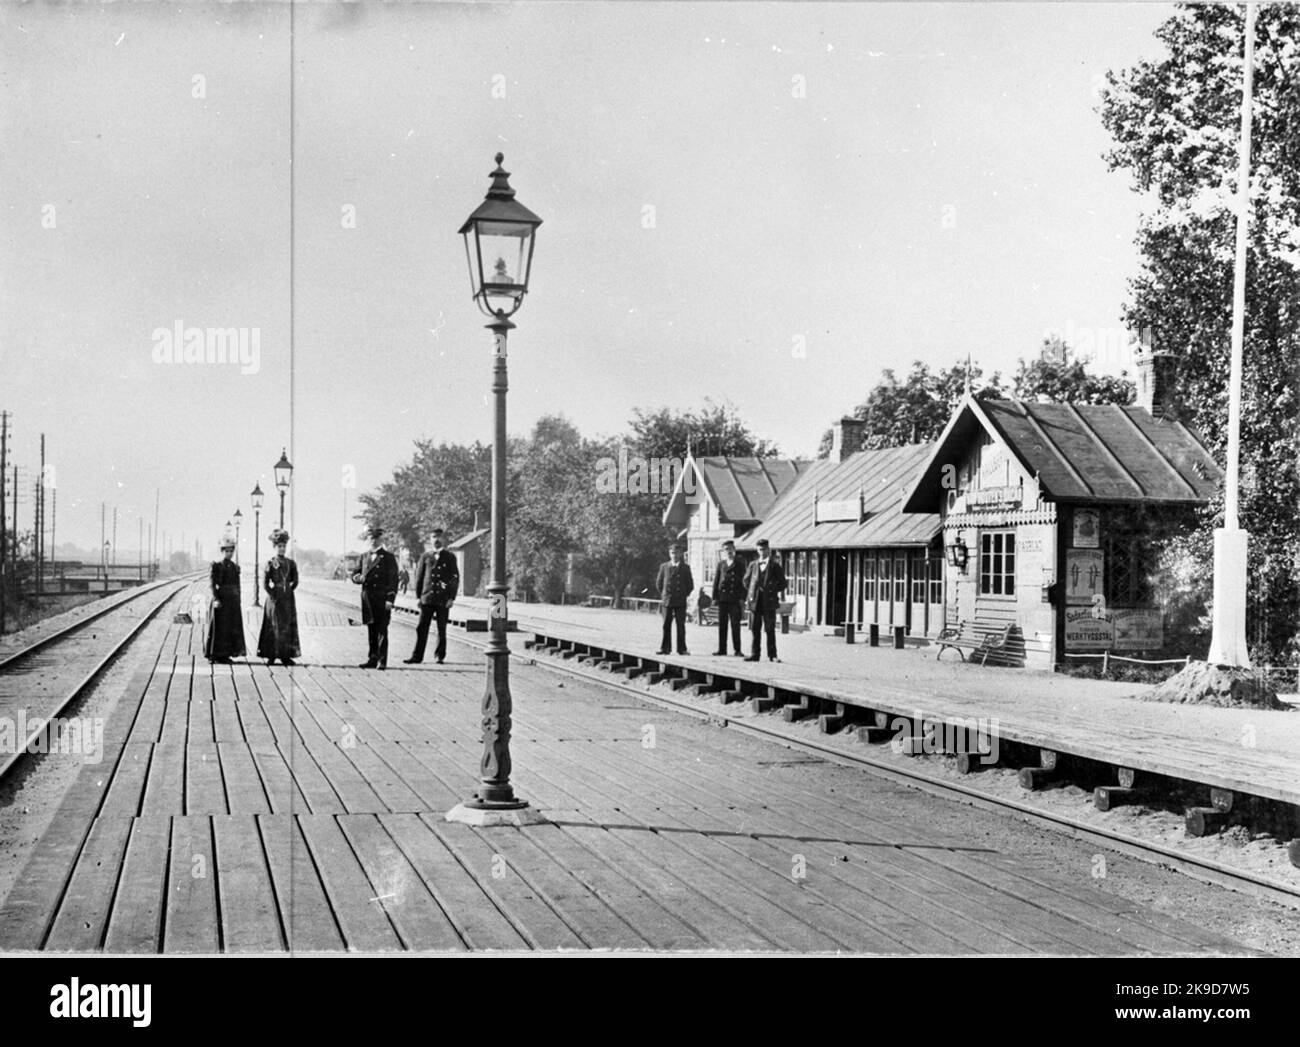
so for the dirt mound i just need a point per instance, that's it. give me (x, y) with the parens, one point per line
(1227, 686)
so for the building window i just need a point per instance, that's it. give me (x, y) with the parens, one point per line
(998, 563)
(886, 575)
(900, 579)
(935, 569)
(918, 579)
(869, 577)
(710, 552)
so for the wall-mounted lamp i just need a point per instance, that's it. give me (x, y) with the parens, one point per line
(958, 554)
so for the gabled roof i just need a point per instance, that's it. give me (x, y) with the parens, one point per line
(473, 536)
(878, 478)
(743, 489)
(1079, 452)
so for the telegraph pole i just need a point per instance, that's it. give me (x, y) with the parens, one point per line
(40, 534)
(4, 530)
(115, 535)
(153, 535)
(13, 547)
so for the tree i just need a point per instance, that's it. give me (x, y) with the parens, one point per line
(715, 429)
(443, 486)
(916, 409)
(546, 525)
(1175, 124)
(1055, 378)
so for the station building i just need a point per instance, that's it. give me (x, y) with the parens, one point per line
(848, 550)
(1054, 517)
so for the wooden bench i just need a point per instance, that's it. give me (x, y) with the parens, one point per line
(709, 616)
(968, 637)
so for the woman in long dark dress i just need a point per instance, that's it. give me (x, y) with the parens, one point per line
(279, 637)
(225, 638)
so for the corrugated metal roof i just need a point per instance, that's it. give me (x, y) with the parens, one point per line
(1081, 452)
(880, 477)
(743, 489)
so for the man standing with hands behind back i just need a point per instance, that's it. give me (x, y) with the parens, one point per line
(674, 584)
(764, 586)
(437, 580)
(377, 576)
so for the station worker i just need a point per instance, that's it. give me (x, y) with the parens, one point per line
(278, 640)
(225, 637)
(675, 584)
(764, 587)
(437, 581)
(377, 576)
(729, 597)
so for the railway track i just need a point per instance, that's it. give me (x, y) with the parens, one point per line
(1204, 869)
(42, 680)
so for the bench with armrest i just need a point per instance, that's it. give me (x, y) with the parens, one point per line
(986, 641)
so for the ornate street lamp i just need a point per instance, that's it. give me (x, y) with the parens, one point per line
(499, 239)
(239, 517)
(283, 474)
(256, 498)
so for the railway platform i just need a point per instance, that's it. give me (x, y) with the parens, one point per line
(1230, 755)
(242, 808)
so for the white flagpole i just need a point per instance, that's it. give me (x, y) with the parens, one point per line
(1228, 639)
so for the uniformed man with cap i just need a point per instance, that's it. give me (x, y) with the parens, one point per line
(377, 576)
(729, 597)
(437, 580)
(675, 585)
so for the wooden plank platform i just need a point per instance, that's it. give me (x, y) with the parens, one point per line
(259, 810)
(1091, 719)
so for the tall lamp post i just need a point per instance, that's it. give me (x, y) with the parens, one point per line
(283, 474)
(256, 498)
(499, 238)
(238, 520)
(1228, 630)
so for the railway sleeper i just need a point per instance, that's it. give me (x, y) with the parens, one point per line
(834, 722)
(807, 706)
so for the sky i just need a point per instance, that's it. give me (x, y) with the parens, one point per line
(764, 204)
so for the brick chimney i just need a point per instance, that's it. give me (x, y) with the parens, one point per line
(1157, 373)
(846, 438)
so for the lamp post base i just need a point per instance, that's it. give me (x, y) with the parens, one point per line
(482, 813)
(1228, 635)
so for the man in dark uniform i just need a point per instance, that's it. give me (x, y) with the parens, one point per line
(764, 586)
(377, 576)
(674, 584)
(728, 596)
(437, 580)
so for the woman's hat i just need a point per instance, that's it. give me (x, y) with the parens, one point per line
(226, 543)
(279, 535)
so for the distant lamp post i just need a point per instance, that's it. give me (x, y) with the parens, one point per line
(256, 498)
(283, 474)
(499, 239)
(239, 518)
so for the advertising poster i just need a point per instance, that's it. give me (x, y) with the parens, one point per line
(1085, 632)
(1087, 529)
(1138, 628)
(1084, 575)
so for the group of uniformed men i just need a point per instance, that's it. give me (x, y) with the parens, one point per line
(757, 588)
